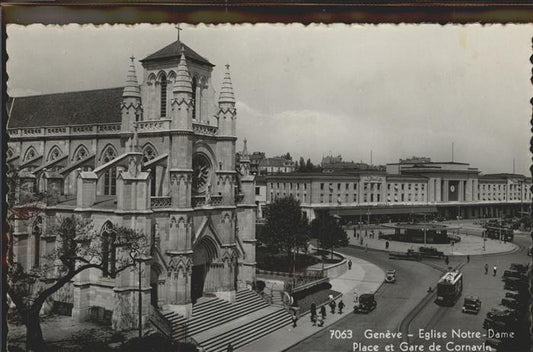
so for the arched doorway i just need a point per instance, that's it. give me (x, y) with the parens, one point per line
(203, 275)
(155, 272)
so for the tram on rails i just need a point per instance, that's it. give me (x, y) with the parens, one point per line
(499, 233)
(449, 288)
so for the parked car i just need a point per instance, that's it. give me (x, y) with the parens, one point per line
(365, 304)
(515, 284)
(520, 267)
(511, 303)
(513, 274)
(512, 294)
(390, 276)
(472, 304)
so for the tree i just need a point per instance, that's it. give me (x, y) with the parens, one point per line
(78, 247)
(309, 165)
(302, 165)
(287, 156)
(327, 230)
(286, 227)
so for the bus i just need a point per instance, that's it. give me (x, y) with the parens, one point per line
(495, 232)
(449, 288)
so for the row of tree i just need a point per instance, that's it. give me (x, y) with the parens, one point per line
(287, 228)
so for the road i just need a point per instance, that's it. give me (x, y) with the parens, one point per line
(396, 301)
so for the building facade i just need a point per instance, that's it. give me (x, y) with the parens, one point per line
(158, 157)
(446, 189)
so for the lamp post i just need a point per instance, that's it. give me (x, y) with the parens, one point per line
(425, 229)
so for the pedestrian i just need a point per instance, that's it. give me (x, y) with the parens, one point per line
(387, 245)
(494, 270)
(313, 312)
(294, 319)
(341, 306)
(229, 348)
(468, 259)
(323, 311)
(349, 264)
(313, 320)
(333, 305)
(366, 247)
(447, 260)
(361, 241)
(320, 321)
(486, 269)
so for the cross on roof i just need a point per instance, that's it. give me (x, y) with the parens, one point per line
(179, 29)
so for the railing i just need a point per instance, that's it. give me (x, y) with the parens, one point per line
(102, 128)
(158, 320)
(160, 202)
(298, 281)
(152, 125)
(198, 201)
(216, 200)
(207, 130)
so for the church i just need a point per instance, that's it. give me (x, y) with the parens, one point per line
(159, 157)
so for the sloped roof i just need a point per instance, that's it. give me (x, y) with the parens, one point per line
(71, 108)
(173, 50)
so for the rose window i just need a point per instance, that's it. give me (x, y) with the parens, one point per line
(201, 169)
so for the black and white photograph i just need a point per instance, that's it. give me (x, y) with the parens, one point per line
(268, 187)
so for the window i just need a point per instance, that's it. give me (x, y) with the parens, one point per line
(379, 198)
(338, 186)
(193, 100)
(149, 153)
(257, 191)
(378, 185)
(110, 176)
(55, 153)
(109, 254)
(330, 198)
(347, 186)
(371, 197)
(80, 153)
(36, 232)
(30, 154)
(321, 197)
(163, 95)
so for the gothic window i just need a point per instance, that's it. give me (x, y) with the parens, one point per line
(149, 153)
(163, 95)
(109, 254)
(36, 232)
(193, 100)
(110, 176)
(30, 154)
(201, 171)
(54, 153)
(80, 153)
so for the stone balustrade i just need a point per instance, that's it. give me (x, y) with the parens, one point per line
(203, 129)
(152, 125)
(160, 202)
(64, 131)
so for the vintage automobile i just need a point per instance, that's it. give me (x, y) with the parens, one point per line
(512, 294)
(472, 304)
(513, 274)
(515, 284)
(390, 276)
(365, 304)
(520, 267)
(511, 303)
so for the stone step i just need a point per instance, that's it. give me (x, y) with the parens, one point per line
(197, 326)
(248, 332)
(226, 306)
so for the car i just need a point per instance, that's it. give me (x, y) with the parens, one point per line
(520, 267)
(511, 303)
(513, 274)
(390, 276)
(512, 294)
(493, 343)
(365, 304)
(472, 304)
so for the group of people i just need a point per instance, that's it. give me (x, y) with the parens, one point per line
(494, 270)
(318, 319)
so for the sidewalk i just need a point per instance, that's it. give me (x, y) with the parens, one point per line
(364, 277)
(469, 245)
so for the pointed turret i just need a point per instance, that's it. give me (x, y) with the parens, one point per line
(245, 160)
(226, 92)
(245, 149)
(131, 90)
(183, 82)
(131, 107)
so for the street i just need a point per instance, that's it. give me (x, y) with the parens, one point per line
(396, 304)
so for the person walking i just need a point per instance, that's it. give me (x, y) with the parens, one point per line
(387, 245)
(349, 264)
(468, 259)
(447, 260)
(294, 319)
(323, 311)
(486, 269)
(313, 319)
(229, 348)
(313, 312)
(320, 321)
(332, 305)
(366, 247)
(341, 306)
(494, 270)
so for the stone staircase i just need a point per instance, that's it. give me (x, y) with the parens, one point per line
(215, 322)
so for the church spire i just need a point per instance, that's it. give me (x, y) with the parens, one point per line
(245, 148)
(131, 90)
(183, 79)
(226, 92)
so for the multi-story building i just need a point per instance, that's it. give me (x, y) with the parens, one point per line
(157, 157)
(277, 164)
(412, 186)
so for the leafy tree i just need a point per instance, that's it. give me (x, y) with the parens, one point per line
(301, 167)
(286, 227)
(78, 247)
(327, 230)
(309, 165)
(287, 156)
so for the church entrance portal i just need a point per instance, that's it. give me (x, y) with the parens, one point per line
(205, 252)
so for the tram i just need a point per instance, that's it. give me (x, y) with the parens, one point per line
(449, 288)
(499, 233)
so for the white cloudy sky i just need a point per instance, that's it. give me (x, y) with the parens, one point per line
(396, 90)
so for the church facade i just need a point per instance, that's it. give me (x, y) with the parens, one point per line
(158, 157)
